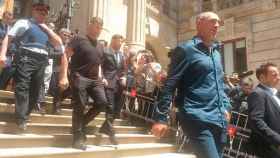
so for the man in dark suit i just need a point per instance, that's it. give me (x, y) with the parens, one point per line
(264, 113)
(113, 71)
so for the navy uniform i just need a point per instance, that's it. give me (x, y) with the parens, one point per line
(32, 36)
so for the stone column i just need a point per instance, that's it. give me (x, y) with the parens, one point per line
(197, 6)
(214, 5)
(100, 8)
(136, 25)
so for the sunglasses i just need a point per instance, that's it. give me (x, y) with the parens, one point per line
(41, 9)
(66, 35)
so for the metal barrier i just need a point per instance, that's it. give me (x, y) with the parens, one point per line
(141, 108)
(138, 107)
(238, 134)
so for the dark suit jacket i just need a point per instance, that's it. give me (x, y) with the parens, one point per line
(264, 119)
(111, 70)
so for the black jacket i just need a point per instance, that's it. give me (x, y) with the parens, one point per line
(111, 70)
(264, 119)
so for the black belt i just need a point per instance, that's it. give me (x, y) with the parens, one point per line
(29, 53)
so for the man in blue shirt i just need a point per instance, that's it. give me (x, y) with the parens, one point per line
(196, 72)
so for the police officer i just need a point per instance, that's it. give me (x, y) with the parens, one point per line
(32, 36)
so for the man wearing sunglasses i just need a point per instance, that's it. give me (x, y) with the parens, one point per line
(31, 37)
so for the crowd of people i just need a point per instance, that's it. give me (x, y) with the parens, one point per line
(43, 60)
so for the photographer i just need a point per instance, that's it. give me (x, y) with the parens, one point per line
(240, 93)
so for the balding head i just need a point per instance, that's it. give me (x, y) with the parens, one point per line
(207, 24)
(207, 16)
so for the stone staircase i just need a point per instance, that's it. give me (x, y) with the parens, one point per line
(49, 136)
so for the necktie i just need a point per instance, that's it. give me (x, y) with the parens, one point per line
(117, 58)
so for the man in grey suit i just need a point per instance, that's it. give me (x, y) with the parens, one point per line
(264, 113)
(114, 73)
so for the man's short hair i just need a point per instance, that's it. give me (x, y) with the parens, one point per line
(247, 81)
(117, 36)
(7, 13)
(96, 20)
(206, 15)
(41, 6)
(262, 70)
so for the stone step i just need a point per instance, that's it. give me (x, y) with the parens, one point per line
(105, 151)
(65, 140)
(43, 128)
(10, 95)
(164, 155)
(10, 107)
(55, 119)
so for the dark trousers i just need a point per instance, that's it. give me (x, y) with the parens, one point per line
(82, 88)
(7, 73)
(205, 140)
(29, 77)
(5, 76)
(259, 146)
(58, 94)
(114, 97)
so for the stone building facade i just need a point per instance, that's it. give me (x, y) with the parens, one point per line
(150, 24)
(250, 34)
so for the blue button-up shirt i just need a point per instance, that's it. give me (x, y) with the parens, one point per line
(196, 71)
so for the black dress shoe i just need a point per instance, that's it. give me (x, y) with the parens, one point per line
(79, 140)
(111, 135)
(42, 111)
(79, 145)
(39, 109)
(113, 140)
(22, 126)
(56, 112)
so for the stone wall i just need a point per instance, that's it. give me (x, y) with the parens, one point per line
(266, 38)
(258, 21)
